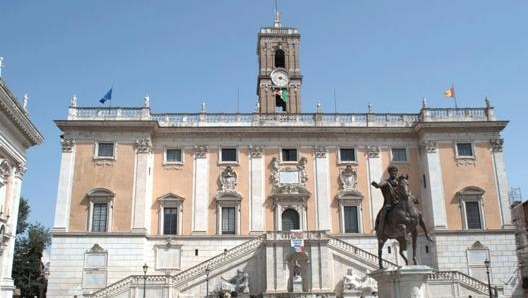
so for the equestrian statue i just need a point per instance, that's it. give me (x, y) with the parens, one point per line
(399, 216)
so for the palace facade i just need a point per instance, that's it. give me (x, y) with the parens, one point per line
(17, 134)
(274, 203)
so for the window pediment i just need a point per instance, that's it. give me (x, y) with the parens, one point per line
(228, 196)
(471, 191)
(350, 195)
(171, 198)
(100, 195)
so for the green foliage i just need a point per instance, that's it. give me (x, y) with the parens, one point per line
(28, 270)
(23, 213)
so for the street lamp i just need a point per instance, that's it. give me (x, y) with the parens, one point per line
(487, 264)
(145, 268)
(207, 270)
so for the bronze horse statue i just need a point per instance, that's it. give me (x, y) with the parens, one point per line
(402, 220)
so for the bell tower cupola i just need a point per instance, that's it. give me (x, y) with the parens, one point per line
(279, 80)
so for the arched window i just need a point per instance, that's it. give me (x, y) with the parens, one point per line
(470, 199)
(100, 209)
(280, 61)
(290, 220)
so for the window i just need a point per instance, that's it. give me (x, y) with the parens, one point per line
(100, 210)
(100, 217)
(350, 215)
(471, 207)
(347, 155)
(280, 100)
(279, 58)
(464, 150)
(173, 156)
(399, 154)
(350, 210)
(289, 154)
(170, 221)
(105, 149)
(227, 208)
(473, 215)
(228, 220)
(228, 155)
(290, 220)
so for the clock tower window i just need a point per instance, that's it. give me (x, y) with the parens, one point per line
(280, 104)
(280, 61)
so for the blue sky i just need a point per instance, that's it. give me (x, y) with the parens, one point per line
(387, 53)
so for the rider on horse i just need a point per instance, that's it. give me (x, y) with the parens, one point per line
(391, 196)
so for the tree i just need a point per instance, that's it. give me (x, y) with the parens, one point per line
(23, 213)
(31, 241)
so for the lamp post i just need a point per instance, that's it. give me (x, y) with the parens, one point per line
(145, 268)
(207, 270)
(487, 264)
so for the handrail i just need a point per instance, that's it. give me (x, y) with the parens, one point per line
(130, 280)
(218, 260)
(362, 254)
(462, 278)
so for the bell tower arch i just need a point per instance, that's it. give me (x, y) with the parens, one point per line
(279, 79)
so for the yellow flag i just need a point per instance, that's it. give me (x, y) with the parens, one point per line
(450, 92)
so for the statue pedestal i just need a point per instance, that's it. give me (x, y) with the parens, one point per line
(297, 285)
(402, 282)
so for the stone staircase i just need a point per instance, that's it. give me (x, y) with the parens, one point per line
(455, 278)
(196, 274)
(193, 274)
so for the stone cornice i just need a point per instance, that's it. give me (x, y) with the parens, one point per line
(15, 112)
(463, 126)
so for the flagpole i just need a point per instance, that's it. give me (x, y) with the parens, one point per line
(335, 102)
(454, 95)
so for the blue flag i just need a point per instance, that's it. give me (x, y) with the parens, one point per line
(108, 96)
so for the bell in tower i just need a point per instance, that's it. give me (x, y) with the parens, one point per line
(279, 80)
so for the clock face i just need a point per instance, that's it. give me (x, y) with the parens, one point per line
(279, 77)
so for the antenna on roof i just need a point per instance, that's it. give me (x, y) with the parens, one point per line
(2, 58)
(335, 102)
(277, 22)
(238, 101)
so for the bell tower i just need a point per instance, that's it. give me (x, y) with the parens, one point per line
(279, 80)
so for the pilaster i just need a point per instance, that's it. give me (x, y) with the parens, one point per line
(13, 197)
(375, 173)
(434, 193)
(257, 193)
(64, 191)
(200, 190)
(322, 188)
(142, 187)
(501, 180)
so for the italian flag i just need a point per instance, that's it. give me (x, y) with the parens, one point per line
(282, 93)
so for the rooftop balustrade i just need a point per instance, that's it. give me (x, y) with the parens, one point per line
(282, 119)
